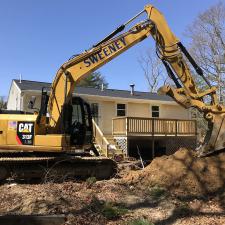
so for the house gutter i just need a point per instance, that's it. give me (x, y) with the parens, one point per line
(135, 100)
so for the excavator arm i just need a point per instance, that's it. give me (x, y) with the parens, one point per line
(173, 55)
(81, 65)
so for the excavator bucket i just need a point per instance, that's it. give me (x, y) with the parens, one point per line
(215, 137)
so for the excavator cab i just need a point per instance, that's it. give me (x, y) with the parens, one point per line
(80, 128)
(76, 120)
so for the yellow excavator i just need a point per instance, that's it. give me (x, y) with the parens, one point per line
(53, 138)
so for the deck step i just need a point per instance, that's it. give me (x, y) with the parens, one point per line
(113, 150)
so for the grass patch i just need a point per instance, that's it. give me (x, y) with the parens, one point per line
(157, 192)
(111, 211)
(183, 209)
(140, 222)
(90, 181)
(108, 209)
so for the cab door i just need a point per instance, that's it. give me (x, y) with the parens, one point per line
(81, 125)
(88, 124)
(77, 129)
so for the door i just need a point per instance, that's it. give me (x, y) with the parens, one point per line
(88, 124)
(81, 125)
(78, 124)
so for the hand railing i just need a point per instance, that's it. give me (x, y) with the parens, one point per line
(100, 139)
(153, 126)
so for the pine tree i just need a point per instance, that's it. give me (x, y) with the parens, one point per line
(95, 79)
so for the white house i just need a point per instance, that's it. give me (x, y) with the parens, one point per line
(115, 110)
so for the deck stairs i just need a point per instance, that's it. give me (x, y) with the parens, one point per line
(106, 145)
(114, 148)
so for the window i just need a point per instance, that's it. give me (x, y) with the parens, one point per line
(121, 110)
(155, 111)
(77, 114)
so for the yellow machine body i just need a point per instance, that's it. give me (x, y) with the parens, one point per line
(21, 133)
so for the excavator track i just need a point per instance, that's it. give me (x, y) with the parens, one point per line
(55, 168)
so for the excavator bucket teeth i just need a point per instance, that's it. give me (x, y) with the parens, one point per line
(215, 137)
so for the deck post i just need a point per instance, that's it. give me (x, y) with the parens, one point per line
(127, 126)
(176, 124)
(153, 139)
(196, 132)
(196, 127)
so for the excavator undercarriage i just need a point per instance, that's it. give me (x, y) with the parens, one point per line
(56, 168)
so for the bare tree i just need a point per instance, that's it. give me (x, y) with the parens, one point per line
(153, 70)
(207, 36)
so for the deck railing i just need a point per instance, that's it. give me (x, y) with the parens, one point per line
(153, 126)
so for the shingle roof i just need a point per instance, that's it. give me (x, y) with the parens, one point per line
(31, 85)
(122, 94)
(37, 86)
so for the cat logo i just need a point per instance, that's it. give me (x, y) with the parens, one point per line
(25, 133)
(25, 127)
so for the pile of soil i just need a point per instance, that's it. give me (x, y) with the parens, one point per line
(183, 173)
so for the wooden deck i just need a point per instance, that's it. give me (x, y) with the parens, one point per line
(138, 126)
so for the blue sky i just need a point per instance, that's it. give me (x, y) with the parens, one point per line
(38, 36)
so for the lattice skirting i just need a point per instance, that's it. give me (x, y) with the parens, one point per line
(170, 144)
(175, 143)
(122, 143)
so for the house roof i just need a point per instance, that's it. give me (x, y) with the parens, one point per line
(31, 85)
(37, 86)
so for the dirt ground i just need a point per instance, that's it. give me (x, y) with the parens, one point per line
(180, 189)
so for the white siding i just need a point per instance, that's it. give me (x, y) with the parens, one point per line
(107, 110)
(14, 99)
(18, 100)
(174, 112)
(107, 106)
(138, 110)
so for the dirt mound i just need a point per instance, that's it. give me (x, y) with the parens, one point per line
(122, 201)
(183, 173)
